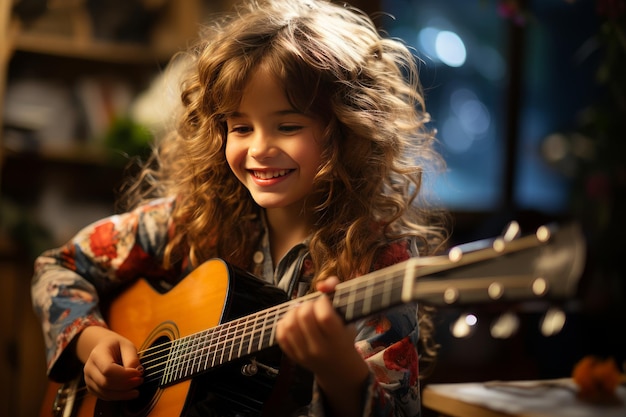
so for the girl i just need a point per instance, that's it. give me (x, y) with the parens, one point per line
(298, 157)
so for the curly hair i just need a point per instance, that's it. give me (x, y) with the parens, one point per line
(333, 63)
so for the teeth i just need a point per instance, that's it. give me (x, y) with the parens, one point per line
(270, 174)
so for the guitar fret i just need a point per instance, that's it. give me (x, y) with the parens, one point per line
(254, 338)
(359, 302)
(184, 368)
(242, 338)
(231, 333)
(367, 304)
(192, 350)
(350, 309)
(213, 345)
(272, 335)
(180, 354)
(235, 341)
(195, 355)
(197, 352)
(201, 351)
(170, 367)
(262, 323)
(239, 337)
(221, 343)
(208, 335)
(249, 329)
(184, 359)
(210, 352)
(386, 294)
(265, 336)
(261, 333)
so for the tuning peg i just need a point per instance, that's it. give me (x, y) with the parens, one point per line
(504, 326)
(553, 322)
(464, 325)
(543, 233)
(511, 232)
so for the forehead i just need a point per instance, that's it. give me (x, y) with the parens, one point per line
(292, 83)
(230, 90)
(262, 82)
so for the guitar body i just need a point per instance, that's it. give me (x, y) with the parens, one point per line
(212, 294)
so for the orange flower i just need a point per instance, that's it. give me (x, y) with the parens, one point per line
(103, 241)
(597, 379)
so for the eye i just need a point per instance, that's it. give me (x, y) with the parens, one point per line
(290, 128)
(239, 129)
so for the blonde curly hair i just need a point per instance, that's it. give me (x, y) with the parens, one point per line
(334, 64)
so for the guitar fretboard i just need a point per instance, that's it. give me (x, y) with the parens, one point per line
(199, 352)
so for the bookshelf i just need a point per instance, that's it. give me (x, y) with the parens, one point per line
(51, 186)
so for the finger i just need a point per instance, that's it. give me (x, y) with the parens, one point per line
(289, 334)
(326, 317)
(310, 329)
(115, 384)
(110, 394)
(327, 285)
(130, 359)
(107, 374)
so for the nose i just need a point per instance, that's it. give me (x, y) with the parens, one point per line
(262, 146)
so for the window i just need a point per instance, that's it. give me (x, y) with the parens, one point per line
(495, 100)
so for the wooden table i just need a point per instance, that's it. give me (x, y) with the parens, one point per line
(544, 398)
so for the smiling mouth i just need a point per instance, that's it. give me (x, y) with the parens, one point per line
(266, 175)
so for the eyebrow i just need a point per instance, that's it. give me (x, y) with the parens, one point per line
(285, 112)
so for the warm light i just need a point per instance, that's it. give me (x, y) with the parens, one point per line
(505, 326)
(464, 325)
(553, 322)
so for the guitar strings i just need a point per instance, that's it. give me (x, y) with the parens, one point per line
(221, 333)
(214, 349)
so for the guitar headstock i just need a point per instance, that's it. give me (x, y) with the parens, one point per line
(545, 264)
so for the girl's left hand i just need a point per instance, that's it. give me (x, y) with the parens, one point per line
(316, 337)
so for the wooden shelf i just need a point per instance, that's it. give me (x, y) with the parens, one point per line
(57, 185)
(77, 154)
(89, 49)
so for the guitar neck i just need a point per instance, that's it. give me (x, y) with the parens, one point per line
(531, 266)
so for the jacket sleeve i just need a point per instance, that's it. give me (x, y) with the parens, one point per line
(388, 343)
(69, 282)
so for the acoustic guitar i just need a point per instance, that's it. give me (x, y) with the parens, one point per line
(208, 345)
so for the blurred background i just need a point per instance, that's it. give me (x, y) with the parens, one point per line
(528, 96)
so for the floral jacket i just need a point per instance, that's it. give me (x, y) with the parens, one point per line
(70, 281)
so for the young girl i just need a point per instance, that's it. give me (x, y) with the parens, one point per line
(298, 157)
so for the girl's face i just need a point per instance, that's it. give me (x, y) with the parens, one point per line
(274, 150)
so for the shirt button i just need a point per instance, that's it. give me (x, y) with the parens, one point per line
(258, 257)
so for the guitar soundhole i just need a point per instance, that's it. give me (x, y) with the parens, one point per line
(149, 391)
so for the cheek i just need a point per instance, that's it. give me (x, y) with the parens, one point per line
(235, 156)
(309, 158)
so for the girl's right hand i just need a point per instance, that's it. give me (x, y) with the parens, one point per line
(112, 368)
